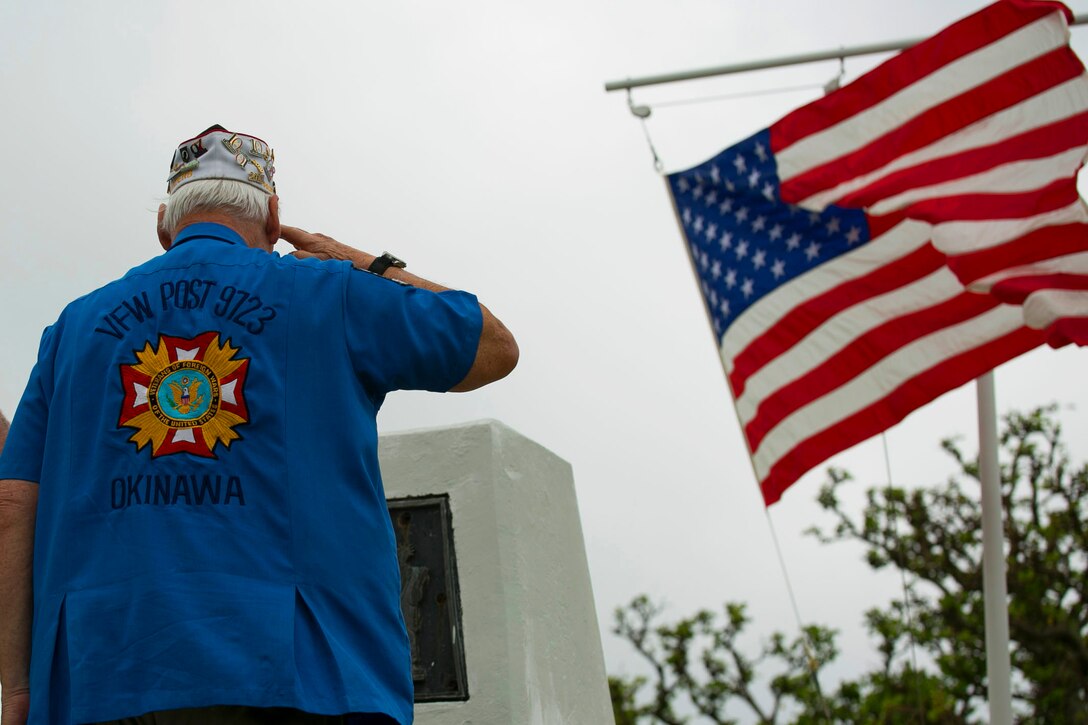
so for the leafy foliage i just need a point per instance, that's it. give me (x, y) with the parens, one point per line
(933, 535)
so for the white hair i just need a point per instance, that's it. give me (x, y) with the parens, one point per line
(233, 197)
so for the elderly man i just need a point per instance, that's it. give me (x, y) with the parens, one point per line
(198, 444)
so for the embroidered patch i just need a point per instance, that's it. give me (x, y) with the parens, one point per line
(185, 396)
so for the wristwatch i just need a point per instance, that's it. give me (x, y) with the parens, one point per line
(384, 262)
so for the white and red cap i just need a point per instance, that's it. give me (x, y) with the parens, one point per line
(221, 154)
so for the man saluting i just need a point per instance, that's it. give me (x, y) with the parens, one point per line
(225, 556)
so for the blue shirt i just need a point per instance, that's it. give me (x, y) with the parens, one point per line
(212, 527)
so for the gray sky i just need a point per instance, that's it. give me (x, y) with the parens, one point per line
(475, 140)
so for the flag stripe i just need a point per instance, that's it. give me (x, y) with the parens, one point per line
(1044, 141)
(881, 414)
(861, 353)
(886, 375)
(844, 329)
(957, 77)
(816, 310)
(960, 237)
(1032, 247)
(1057, 104)
(905, 69)
(1013, 178)
(936, 122)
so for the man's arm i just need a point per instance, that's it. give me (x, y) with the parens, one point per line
(18, 508)
(497, 353)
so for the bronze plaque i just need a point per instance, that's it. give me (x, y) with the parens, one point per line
(429, 596)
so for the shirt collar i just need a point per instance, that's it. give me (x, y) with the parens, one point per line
(207, 230)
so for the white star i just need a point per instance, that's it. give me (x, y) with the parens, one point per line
(730, 186)
(761, 151)
(711, 198)
(813, 217)
(726, 241)
(759, 259)
(716, 269)
(853, 236)
(712, 232)
(759, 223)
(753, 178)
(724, 307)
(713, 298)
(742, 250)
(793, 242)
(746, 287)
(683, 184)
(812, 251)
(740, 164)
(725, 206)
(686, 214)
(776, 232)
(698, 225)
(833, 225)
(715, 174)
(768, 191)
(741, 214)
(778, 268)
(730, 278)
(704, 261)
(698, 193)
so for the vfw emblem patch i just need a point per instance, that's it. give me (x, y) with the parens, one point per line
(185, 395)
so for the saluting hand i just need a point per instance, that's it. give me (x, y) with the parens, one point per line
(322, 246)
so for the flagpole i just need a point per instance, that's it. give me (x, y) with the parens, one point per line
(834, 54)
(994, 586)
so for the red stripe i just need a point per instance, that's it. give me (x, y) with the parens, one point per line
(1046, 243)
(932, 124)
(810, 314)
(1068, 330)
(910, 66)
(944, 376)
(1014, 290)
(1038, 143)
(860, 355)
(983, 207)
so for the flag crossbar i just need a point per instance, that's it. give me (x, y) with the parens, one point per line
(787, 60)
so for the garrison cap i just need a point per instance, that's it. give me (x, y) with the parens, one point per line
(221, 154)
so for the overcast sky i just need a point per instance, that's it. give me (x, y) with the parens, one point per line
(474, 140)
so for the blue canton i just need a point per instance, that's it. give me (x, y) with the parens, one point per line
(744, 240)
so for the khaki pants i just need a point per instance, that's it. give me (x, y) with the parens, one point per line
(240, 715)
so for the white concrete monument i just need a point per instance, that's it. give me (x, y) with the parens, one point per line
(516, 579)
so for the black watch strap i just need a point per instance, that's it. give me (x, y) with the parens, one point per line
(384, 262)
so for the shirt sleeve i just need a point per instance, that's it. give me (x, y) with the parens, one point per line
(24, 450)
(405, 338)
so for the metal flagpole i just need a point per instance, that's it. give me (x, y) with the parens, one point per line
(994, 586)
(776, 62)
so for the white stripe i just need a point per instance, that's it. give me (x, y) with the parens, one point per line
(961, 237)
(894, 244)
(1011, 178)
(1056, 104)
(882, 379)
(1068, 264)
(958, 76)
(840, 331)
(1043, 308)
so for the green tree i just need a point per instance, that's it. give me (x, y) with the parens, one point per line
(933, 535)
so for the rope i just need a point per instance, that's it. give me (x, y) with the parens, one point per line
(903, 581)
(812, 664)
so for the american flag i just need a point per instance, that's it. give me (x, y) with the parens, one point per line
(857, 258)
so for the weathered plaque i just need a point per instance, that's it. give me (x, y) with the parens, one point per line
(430, 597)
